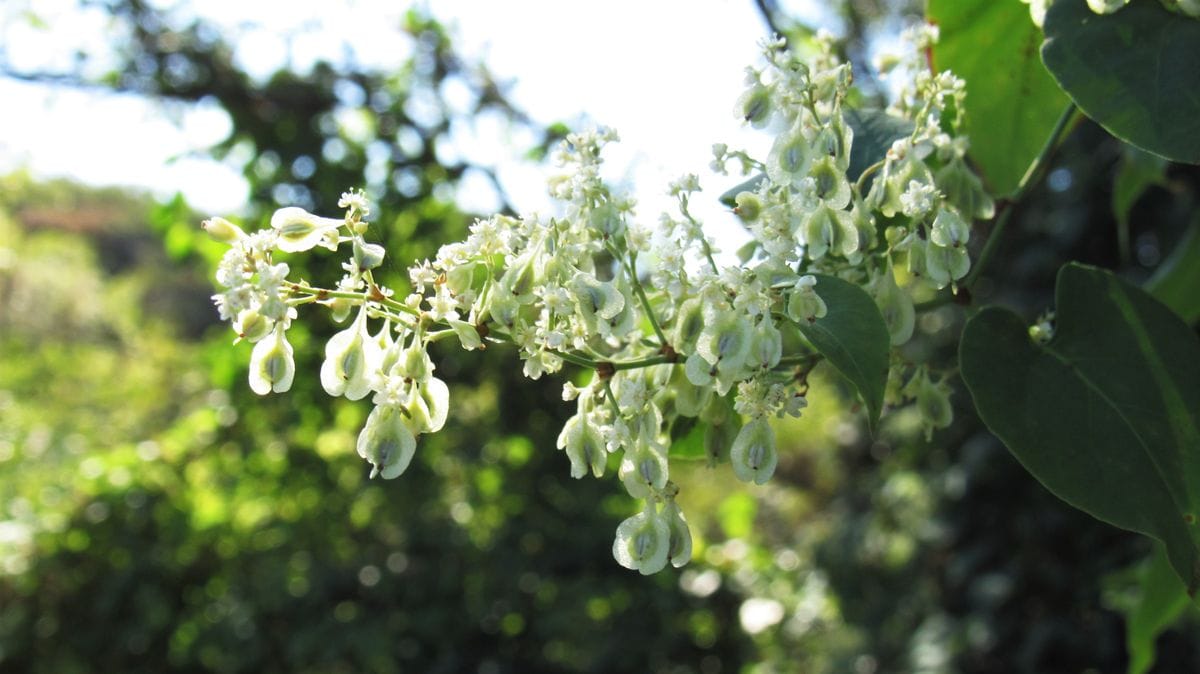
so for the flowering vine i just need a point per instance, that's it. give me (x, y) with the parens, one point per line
(666, 331)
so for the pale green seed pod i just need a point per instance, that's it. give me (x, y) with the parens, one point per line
(725, 341)
(251, 325)
(351, 357)
(689, 323)
(753, 455)
(946, 265)
(428, 407)
(643, 469)
(949, 230)
(643, 542)
(680, 552)
(805, 304)
(719, 437)
(754, 106)
(690, 399)
(766, 345)
(386, 442)
(790, 158)
(896, 306)
(584, 447)
(367, 255)
(964, 190)
(833, 187)
(271, 364)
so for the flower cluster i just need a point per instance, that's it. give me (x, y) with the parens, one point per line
(671, 337)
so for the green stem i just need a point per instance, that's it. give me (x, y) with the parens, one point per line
(628, 262)
(683, 208)
(1032, 175)
(641, 362)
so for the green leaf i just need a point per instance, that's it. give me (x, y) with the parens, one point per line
(1136, 72)
(1139, 172)
(874, 133)
(745, 186)
(1162, 600)
(853, 337)
(1012, 102)
(1175, 281)
(1105, 413)
(687, 439)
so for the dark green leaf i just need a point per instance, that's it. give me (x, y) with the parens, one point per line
(1177, 280)
(874, 133)
(745, 186)
(853, 338)
(1139, 172)
(1136, 72)
(1012, 102)
(1105, 413)
(1162, 599)
(687, 439)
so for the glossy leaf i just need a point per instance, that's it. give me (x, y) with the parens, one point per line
(854, 339)
(874, 133)
(1136, 72)
(1104, 414)
(1012, 102)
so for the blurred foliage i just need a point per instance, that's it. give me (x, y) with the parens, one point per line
(158, 516)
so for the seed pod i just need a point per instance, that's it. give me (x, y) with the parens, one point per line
(753, 455)
(386, 442)
(643, 542)
(271, 365)
(680, 552)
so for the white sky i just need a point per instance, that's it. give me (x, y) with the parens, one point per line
(664, 73)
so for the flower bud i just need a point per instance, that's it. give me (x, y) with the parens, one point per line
(753, 455)
(643, 542)
(386, 442)
(300, 230)
(271, 364)
(222, 230)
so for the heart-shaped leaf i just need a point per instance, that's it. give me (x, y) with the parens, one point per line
(854, 339)
(1105, 413)
(1012, 102)
(1136, 72)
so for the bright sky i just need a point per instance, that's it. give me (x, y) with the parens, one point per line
(662, 72)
